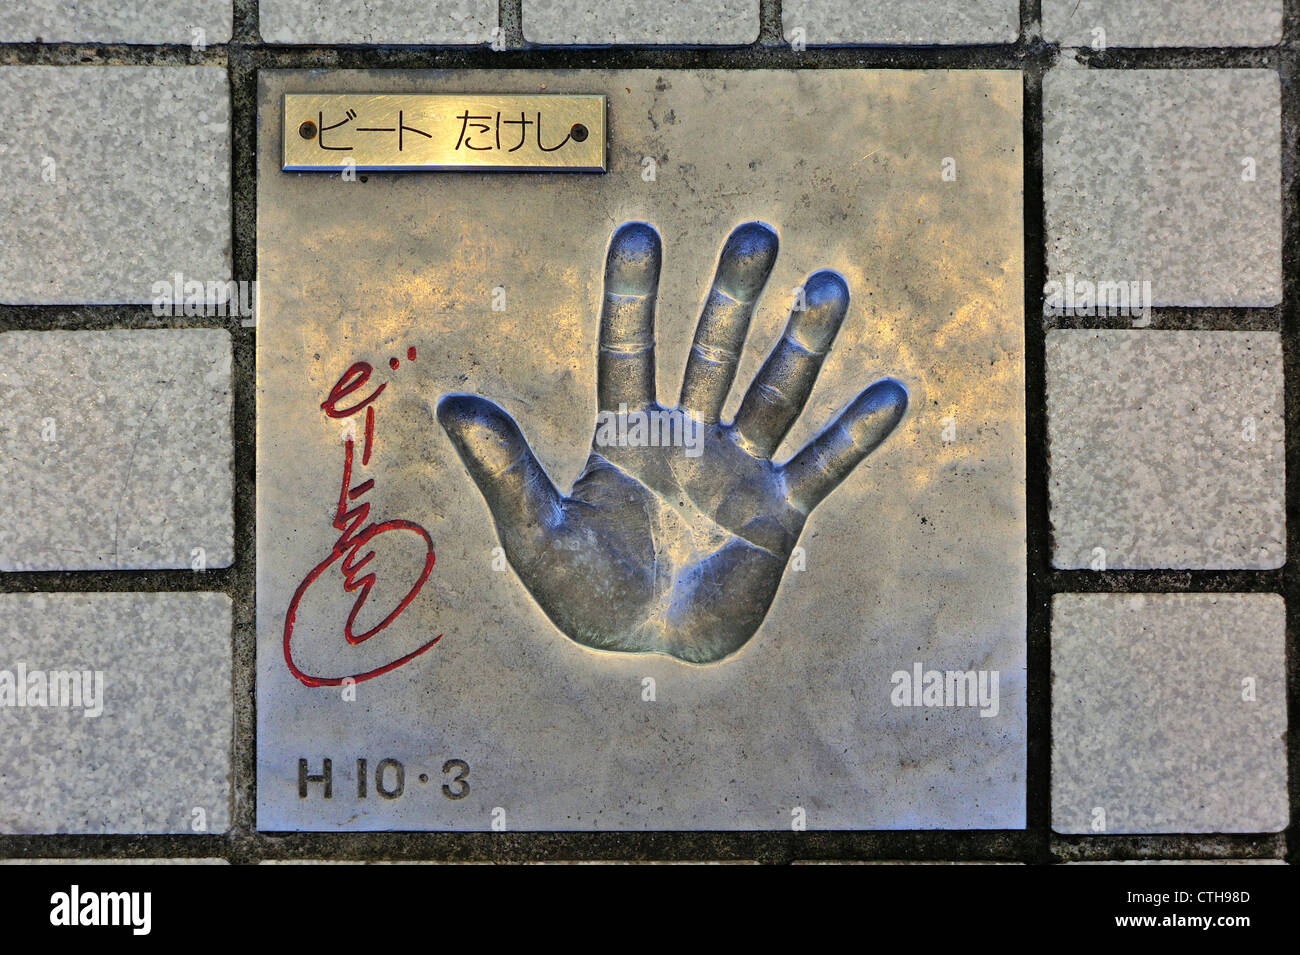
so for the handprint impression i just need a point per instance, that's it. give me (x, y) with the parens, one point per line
(656, 549)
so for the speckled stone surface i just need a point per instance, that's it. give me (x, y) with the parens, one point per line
(1166, 176)
(1166, 449)
(640, 21)
(1184, 862)
(377, 21)
(1163, 22)
(120, 178)
(111, 861)
(902, 21)
(377, 862)
(1149, 723)
(117, 449)
(160, 748)
(111, 21)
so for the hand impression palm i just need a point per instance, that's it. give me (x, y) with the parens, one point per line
(676, 548)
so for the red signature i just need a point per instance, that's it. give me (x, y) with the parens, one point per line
(355, 534)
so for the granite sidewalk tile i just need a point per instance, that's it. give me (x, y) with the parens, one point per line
(145, 745)
(1168, 713)
(901, 21)
(1144, 23)
(393, 21)
(119, 178)
(117, 450)
(1166, 449)
(640, 21)
(1166, 177)
(194, 22)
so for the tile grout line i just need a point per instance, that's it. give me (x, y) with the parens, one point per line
(1289, 72)
(241, 839)
(771, 29)
(510, 21)
(1037, 544)
(79, 317)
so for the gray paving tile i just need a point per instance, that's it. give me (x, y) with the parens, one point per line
(1168, 713)
(385, 21)
(1183, 862)
(117, 449)
(1162, 22)
(363, 862)
(1170, 177)
(151, 751)
(196, 22)
(111, 861)
(120, 179)
(641, 21)
(1166, 449)
(901, 21)
(893, 862)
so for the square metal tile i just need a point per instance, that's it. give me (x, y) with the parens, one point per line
(908, 185)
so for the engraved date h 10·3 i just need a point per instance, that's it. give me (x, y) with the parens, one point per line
(389, 778)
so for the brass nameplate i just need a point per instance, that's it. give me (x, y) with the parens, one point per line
(444, 132)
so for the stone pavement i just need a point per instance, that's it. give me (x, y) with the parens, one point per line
(1161, 284)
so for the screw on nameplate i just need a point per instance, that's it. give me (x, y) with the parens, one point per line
(444, 132)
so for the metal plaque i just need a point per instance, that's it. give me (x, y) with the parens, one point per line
(688, 496)
(474, 131)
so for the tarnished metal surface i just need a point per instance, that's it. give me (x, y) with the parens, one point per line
(675, 536)
(391, 305)
(444, 132)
